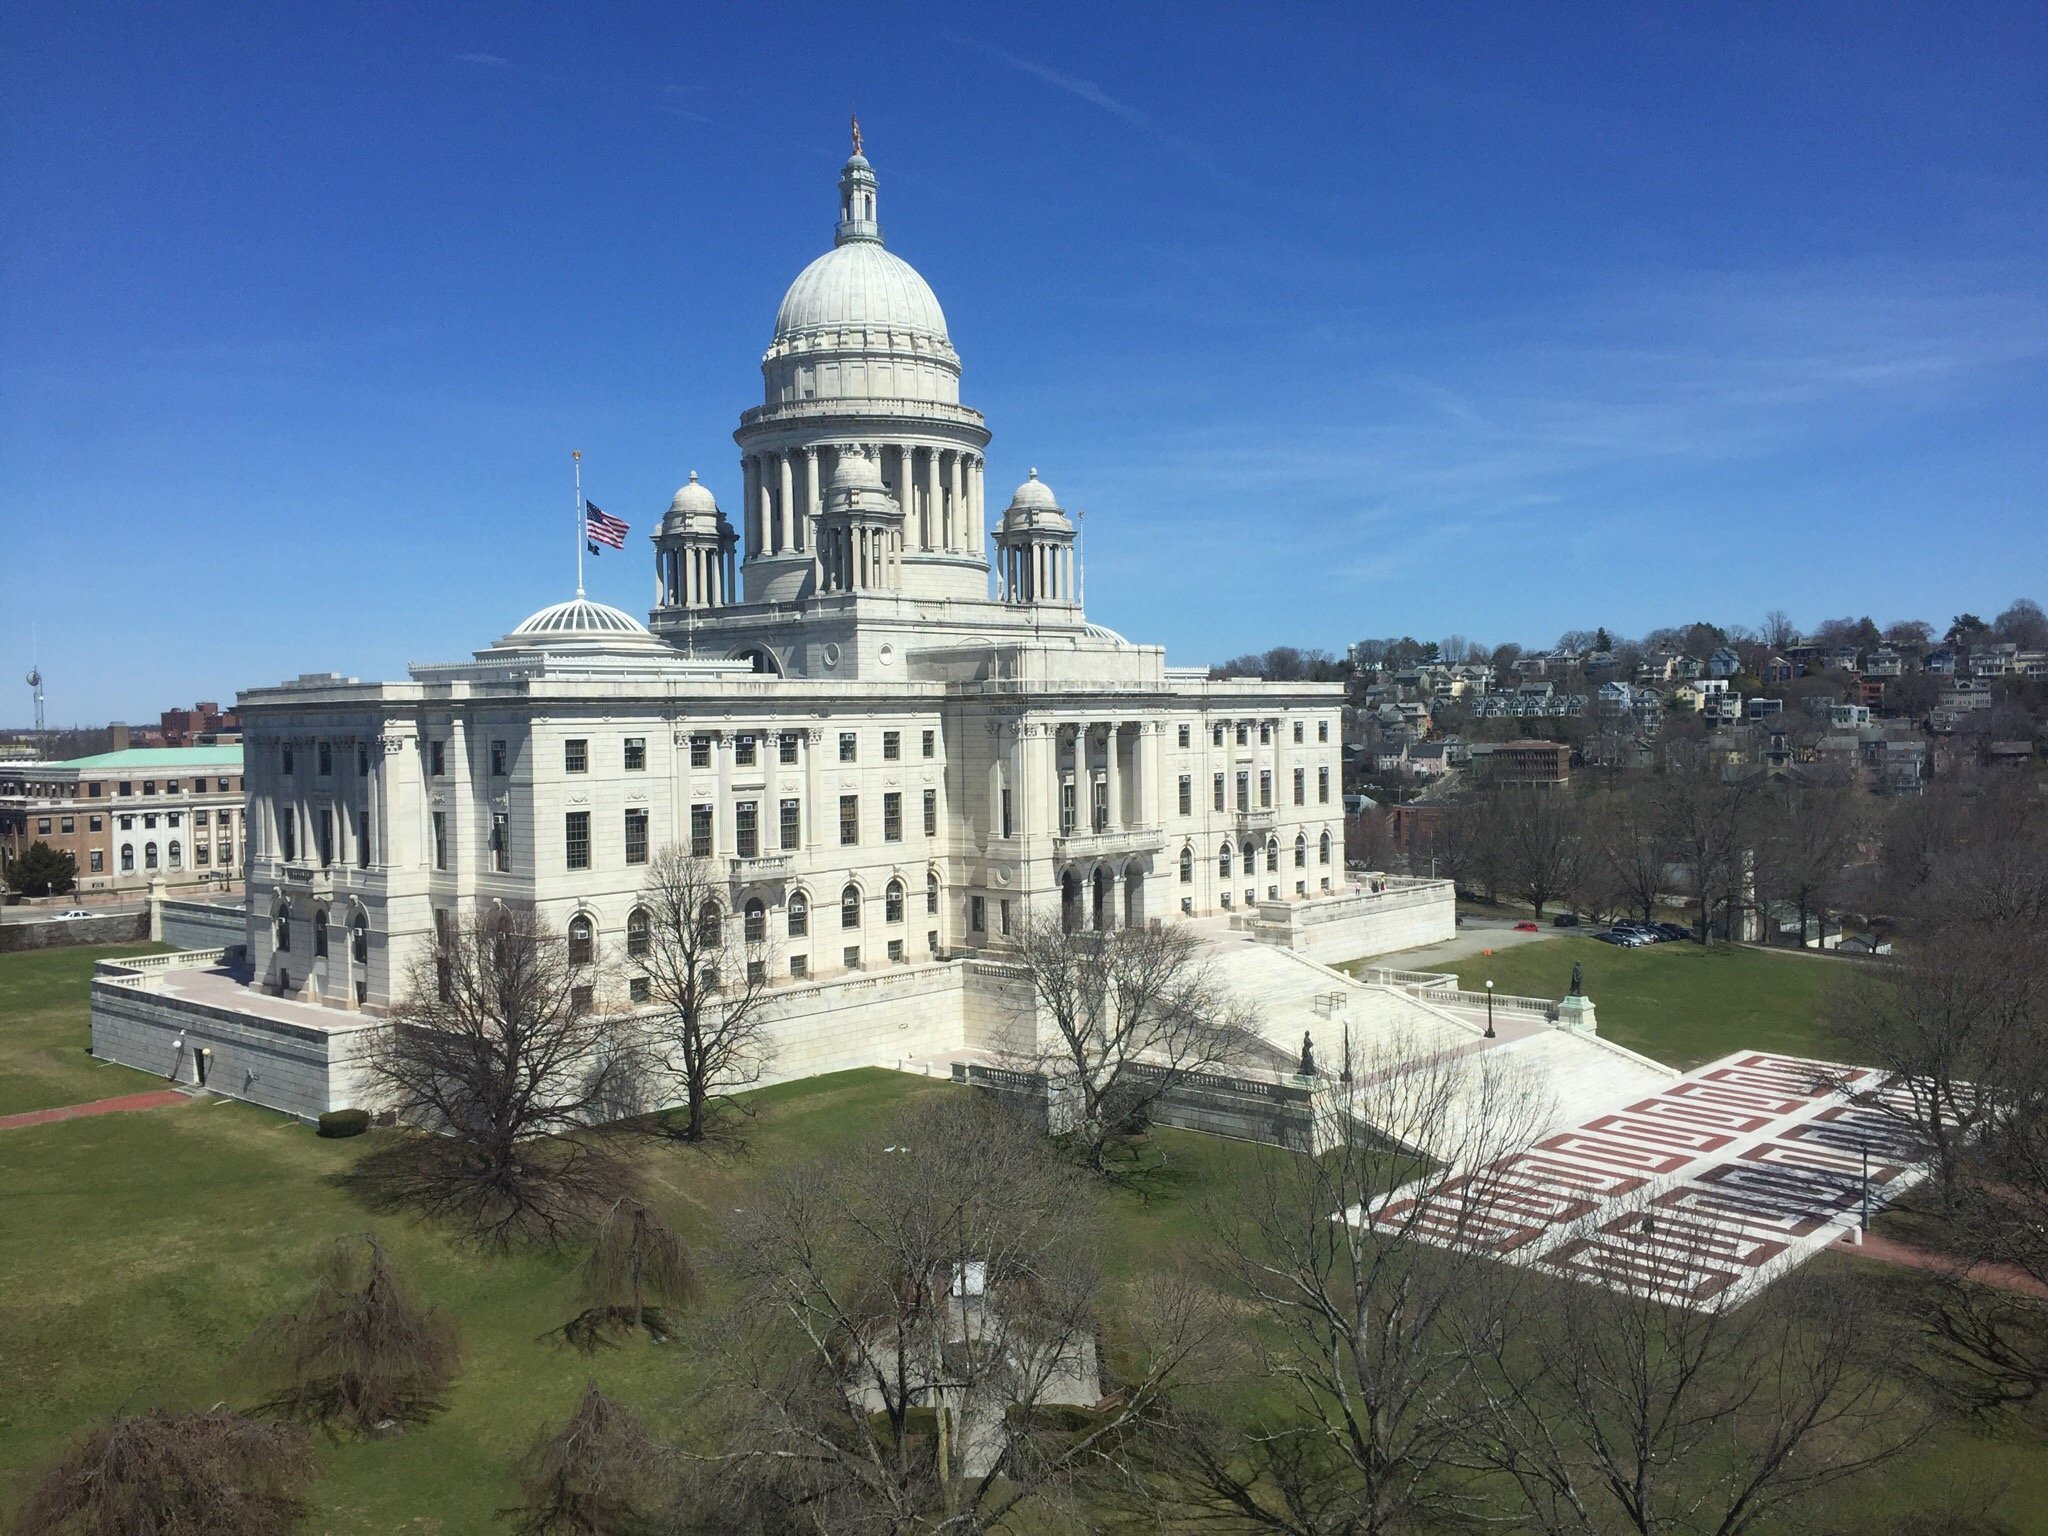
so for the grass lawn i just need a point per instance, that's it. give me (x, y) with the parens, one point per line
(138, 1251)
(1681, 1003)
(43, 1061)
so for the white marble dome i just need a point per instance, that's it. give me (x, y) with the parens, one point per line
(579, 625)
(693, 497)
(859, 286)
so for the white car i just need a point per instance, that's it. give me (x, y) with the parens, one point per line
(72, 916)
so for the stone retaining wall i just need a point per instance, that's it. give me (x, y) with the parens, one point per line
(114, 928)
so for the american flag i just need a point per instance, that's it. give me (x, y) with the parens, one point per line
(603, 528)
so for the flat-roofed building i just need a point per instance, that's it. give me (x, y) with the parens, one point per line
(170, 812)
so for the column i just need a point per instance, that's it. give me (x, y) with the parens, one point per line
(934, 510)
(813, 500)
(974, 489)
(750, 496)
(1114, 775)
(958, 487)
(786, 511)
(765, 507)
(812, 811)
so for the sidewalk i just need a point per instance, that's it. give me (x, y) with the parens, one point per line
(156, 1099)
(1889, 1250)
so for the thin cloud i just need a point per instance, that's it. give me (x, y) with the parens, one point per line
(491, 59)
(1087, 90)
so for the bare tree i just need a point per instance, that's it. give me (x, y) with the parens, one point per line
(916, 1344)
(1125, 1015)
(598, 1474)
(1778, 631)
(360, 1355)
(707, 976)
(1703, 818)
(1614, 1412)
(1809, 841)
(1543, 832)
(501, 1056)
(1355, 1268)
(214, 1472)
(637, 1273)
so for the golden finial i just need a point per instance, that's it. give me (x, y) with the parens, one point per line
(856, 133)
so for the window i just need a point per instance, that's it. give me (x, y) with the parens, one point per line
(931, 813)
(786, 747)
(324, 759)
(43, 826)
(575, 755)
(1187, 794)
(1251, 863)
(892, 746)
(639, 932)
(930, 744)
(846, 746)
(757, 972)
(710, 921)
(1297, 732)
(1301, 850)
(1244, 790)
(931, 893)
(96, 861)
(849, 820)
(1244, 733)
(576, 839)
(281, 929)
(700, 831)
(895, 951)
(440, 841)
(754, 923)
(201, 855)
(746, 828)
(799, 966)
(177, 857)
(700, 751)
(1301, 786)
(501, 842)
(149, 786)
(636, 834)
(1219, 792)
(892, 816)
(1223, 861)
(1265, 789)
(127, 858)
(1066, 806)
(743, 751)
(319, 932)
(288, 833)
(581, 999)
(1265, 733)
(127, 823)
(1185, 735)
(96, 823)
(638, 990)
(636, 754)
(1187, 866)
(1322, 786)
(173, 819)
(285, 765)
(799, 915)
(1323, 853)
(1216, 735)
(977, 914)
(362, 768)
(359, 937)
(437, 758)
(498, 759)
(849, 907)
(850, 957)
(1272, 854)
(1322, 730)
(1003, 914)
(92, 791)
(892, 902)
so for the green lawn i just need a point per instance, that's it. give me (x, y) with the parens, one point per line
(1680, 1003)
(138, 1251)
(43, 1060)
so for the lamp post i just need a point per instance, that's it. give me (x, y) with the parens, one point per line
(1489, 1007)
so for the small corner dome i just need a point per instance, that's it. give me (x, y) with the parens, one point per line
(693, 498)
(579, 617)
(1034, 495)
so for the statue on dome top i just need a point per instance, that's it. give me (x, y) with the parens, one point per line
(856, 133)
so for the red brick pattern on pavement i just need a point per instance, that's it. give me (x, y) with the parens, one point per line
(156, 1099)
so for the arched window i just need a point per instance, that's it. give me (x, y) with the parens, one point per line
(1301, 850)
(756, 921)
(892, 902)
(639, 932)
(127, 858)
(709, 921)
(359, 936)
(1187, 866)
(799, 915)
(319, 928)
(1272, 854)
(149, 855)
(281, 929)
(1323, 852)
(1251, 858)
(582, 940)
(931, 893)
(849, 907)
(1223, 862)
(177, 853)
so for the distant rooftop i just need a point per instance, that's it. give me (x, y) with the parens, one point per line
(156, 757)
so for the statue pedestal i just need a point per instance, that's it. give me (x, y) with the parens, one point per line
(1576, 1013)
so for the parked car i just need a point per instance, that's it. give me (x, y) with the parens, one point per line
(1674, 931)
(1527, 928)
(70, 917)
(1609, 936)
(1565, 920)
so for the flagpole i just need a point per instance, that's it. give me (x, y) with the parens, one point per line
(577, 455)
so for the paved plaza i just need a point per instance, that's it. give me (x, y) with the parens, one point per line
(1699, 1194)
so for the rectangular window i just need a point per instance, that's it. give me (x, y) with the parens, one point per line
(1244, 733)
(931, 813)
(1297, 732)
(1184, 735)
(931, 896)
(846, 746)
(977, 914)
(1322, 786)
(636, 754)
(1265, 789)
(96, 823)
(700, 751)
(792, 823)
(148, 822)
(576, 839)
(171, 820)
(1066, 807)
(501, 842)
(440, 841)
(850, 957)
(743, 751)
(895, 951)
(1219, 792)
(437, 758)
(582, 999)
(1187, 794)
(66, 824)
(325, 760)
(286, 765)
(892, 817)
(1301, 786)
(786, 747)
(575, 756)
(636, 834)
(849, 820)
(799, 966)
(746, 828)
(323, 831)
(931, 744)
(1244, 791)
(1003, 914)
(1265, 733)
(1008, 829)
(638, 990)
(92, 791)
(96, 861)
(1322, 730)
(149, 786)
(1216, 735)
(497, 759)
(700, 831)
(892, 746)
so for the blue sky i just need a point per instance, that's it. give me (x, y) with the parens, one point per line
(1336, 320)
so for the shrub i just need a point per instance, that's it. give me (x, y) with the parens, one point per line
(344, 1122)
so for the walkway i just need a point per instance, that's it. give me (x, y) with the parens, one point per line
(155, 1099)
(1889, 1250)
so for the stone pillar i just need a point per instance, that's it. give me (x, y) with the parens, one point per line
(156, 909)
(785, 512)
(931, 498)
(807, 525)
(750, 475)
(1114, 775)
(765, 509)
